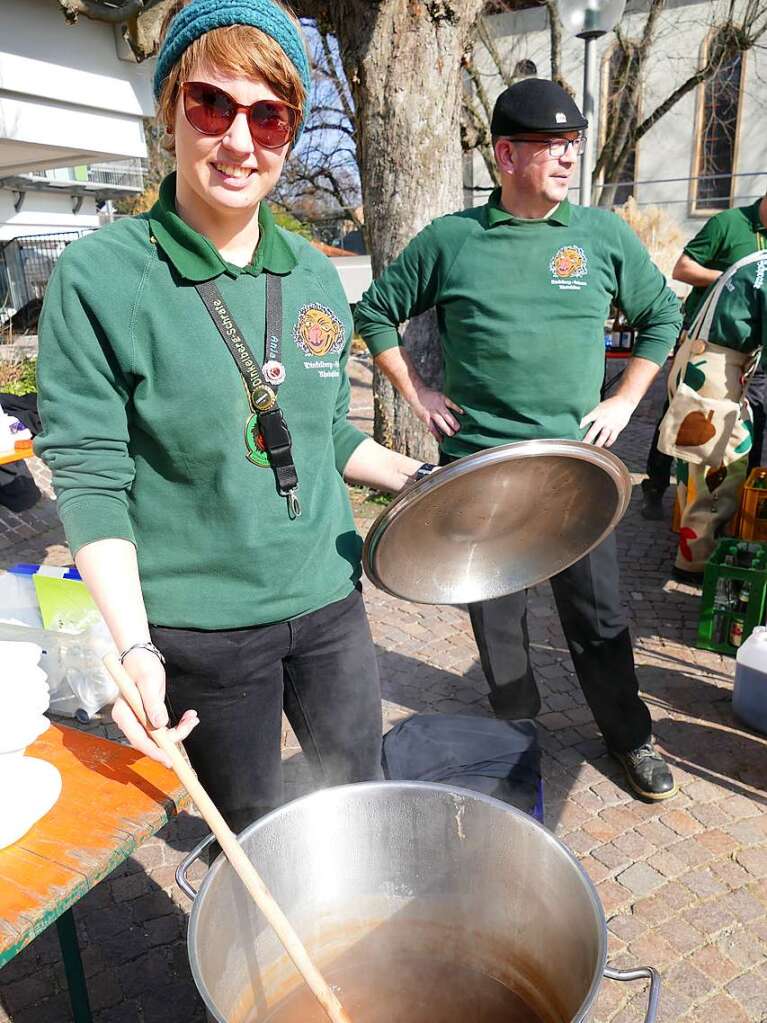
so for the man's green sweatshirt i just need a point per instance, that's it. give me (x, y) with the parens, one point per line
(144, 414)
(521, 308)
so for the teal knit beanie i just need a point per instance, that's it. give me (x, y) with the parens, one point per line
(201, 16)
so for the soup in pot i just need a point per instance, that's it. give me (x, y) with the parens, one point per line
(412, 990)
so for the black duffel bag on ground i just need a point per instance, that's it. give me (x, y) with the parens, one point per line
(499, 758)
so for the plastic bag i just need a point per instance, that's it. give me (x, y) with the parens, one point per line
(79, 684)
(83, 674)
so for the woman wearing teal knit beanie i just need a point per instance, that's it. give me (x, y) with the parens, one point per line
(193, 387)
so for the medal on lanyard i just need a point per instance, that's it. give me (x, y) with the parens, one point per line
(262, 399)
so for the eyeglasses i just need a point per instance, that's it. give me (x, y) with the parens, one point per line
(211, 111)
(557, 147)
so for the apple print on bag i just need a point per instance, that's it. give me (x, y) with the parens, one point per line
(696, 430)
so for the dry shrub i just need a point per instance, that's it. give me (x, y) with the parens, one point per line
(139, 203)
(18, 377)
(658, 231)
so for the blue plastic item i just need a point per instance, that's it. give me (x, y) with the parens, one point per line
(51, 570)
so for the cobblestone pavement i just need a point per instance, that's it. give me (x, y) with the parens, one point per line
(683, 884)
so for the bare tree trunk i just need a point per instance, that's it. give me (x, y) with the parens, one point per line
(403, 61)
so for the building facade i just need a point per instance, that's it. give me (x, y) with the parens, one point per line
(707, 153)
(71, 131)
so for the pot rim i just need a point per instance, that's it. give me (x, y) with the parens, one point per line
(372, 786)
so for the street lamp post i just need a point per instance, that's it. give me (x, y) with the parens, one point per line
(588, 20)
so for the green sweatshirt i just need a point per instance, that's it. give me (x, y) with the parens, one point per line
(521, 308)
(739, 317)
(723, 240)
(144, 412)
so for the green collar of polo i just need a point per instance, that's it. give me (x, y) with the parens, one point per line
(496, 214)
(197, 259)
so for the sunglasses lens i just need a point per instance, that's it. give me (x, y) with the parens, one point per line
(207, 108)
(271, 123)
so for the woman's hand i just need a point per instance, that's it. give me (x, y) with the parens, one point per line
(147, 672)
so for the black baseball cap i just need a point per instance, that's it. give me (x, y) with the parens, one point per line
(536, 104)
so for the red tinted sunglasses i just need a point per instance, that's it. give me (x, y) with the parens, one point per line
(211, 111)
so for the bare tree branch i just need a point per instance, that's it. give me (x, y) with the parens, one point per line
(625, 97)
(333, 72)
(486, 38)
(739, 35)
(475, 134)
(555, 42)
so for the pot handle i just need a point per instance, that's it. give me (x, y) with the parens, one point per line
(641, 973)
(181, 871)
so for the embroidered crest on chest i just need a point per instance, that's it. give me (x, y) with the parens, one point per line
(569, 267)
(318, 331)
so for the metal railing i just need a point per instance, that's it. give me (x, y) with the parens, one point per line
(128, 174)
(121, 174)
(699, 204)
(26, 264)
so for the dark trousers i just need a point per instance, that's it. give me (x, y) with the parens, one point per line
(587, 596)
(659, 465)
(588, 602)
(321, 668)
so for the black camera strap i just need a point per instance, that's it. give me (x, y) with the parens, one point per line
(267, 438)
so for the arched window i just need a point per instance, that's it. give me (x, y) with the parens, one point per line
(618, 112)
(718, 125)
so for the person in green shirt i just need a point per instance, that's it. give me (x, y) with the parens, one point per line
(708, 426)
(219, 546)
(723, 240)
(522, 287)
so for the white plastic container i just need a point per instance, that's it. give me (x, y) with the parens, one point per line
(7, 440)
(749, 697)
(28, 786)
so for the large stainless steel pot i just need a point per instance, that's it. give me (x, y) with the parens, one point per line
(418, 869)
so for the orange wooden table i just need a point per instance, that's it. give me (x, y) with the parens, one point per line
(18, 455)
(112, 799)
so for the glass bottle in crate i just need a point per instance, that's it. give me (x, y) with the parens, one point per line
(737, 623)
(721, 613)
(738, 617)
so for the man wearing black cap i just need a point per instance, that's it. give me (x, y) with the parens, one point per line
(522, 287)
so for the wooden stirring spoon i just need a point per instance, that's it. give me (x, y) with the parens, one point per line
(231, 847)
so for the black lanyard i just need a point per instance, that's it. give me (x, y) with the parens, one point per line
(266, 426)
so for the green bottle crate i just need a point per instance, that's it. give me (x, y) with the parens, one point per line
(716, 570)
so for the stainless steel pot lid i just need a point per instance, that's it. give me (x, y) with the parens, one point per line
(496, 522)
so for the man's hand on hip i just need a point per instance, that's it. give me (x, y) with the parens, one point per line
(435, 410)
(607, 421)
